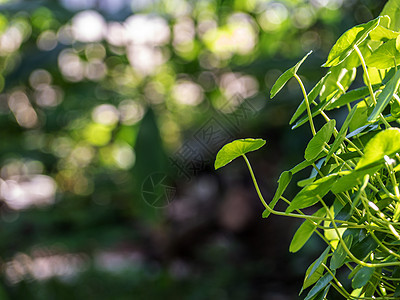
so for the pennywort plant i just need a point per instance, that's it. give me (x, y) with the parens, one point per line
(354, 185)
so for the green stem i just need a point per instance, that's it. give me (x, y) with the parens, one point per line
(307, 103)
(364, 66)
(383, 246)
(394, 181)
(372, 187)
(371, 232)
(318, 170)
(351, 255)
(387, 192)
(371, 91)
(279, 213)
(317, 224)
(353, 145)
(343, 292)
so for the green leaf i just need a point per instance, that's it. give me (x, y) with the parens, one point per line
(341, 76)
(317, 143)
(344, 211)
(235, 149)
(351, 179)
(372, 286)
(316, 110)
(385, 97)
(344, 156)
(398, 43)
(315, 270)
(351, 96)
(375, 75)
(357, 234)
(322, 294)
(354, 271)
(300, 166)
(356, 199)
(385, 142)
(283, 182)
(339, 256)
(321, 284)
(304, 164)
(392, 9)
(365, 133)
(385, 56)
(309, 195)
(397, 291)
(279, 84)
(307, 181)
(341, 135)
(362, 277)
(353, 60)
(360, 117)
(345, 44)
(395, 109)
(305, 231)
(311, 97)
(363, 248)
(382, 34)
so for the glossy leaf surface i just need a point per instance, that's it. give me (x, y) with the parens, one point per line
(235, 149)
(345, 44)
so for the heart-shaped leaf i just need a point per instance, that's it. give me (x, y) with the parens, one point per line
(385, 56)
(345, 44)
(235, 149)
(382, 34)
(386, 142)
(392, 9)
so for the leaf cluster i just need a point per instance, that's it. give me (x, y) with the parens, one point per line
(353, 185)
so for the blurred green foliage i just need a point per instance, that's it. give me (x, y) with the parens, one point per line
(95, 96)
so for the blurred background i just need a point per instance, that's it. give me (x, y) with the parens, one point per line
(111, 113)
